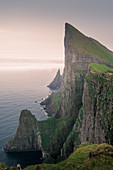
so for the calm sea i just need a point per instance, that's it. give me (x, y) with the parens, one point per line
(19, 89)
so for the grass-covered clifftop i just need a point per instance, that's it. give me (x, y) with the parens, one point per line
(90, 46)
(100, 68)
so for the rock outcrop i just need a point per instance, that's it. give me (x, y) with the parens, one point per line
(57, 82)
(27, 137)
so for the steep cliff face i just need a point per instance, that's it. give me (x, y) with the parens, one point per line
(56, 83)
(97, 125)
(27, 137)
(95, 119)
(80, 51)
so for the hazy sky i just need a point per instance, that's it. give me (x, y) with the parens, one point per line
(35, 28)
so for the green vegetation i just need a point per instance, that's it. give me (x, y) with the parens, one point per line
(73, 139)
(3, 167)
(53, 133)
(56, 100)
(100, 87)
(87, 156)
(89, 46)
(100, 68)
(80, 71)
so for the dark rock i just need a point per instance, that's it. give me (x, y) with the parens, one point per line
(57, 82)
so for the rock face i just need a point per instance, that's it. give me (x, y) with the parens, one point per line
(95, 119)
(97, 125)
(27, 137)
(56, 83)
(52, 103)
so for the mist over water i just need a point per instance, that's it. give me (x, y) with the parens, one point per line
(19, 89)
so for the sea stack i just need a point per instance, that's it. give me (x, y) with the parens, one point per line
(56, 83)
(27, 137)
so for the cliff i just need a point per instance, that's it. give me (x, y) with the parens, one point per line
(67, 127)
(80, 51)
(27, 137)
(56, 83)
(97, 125)
(95, 119)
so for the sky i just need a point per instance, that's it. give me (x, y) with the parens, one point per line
(34, 29)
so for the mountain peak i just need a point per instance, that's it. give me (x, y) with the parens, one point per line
(74, 39)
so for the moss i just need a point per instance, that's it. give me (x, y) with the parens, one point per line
(80, 71)
(100, 68)
(87, 156)
(80, 159)
(89, 46)
(73, 139)
(53, 133)
(56, 100)
(3, 167)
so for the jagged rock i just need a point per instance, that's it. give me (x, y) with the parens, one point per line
(56, 83)
(27, 137)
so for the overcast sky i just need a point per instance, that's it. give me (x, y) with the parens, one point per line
(35, 28)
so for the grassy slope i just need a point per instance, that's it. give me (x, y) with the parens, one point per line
(90, 46)
(100, 68)
(53, 133)
(80, 159)
(87, 156)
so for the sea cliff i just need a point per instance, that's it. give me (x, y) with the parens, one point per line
(81, 110)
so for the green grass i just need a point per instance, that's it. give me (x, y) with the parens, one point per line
(3, 167)
(53, 133)
(87, 157)
(100, 68)
(89, 46)
(56, 100)
(73, 138)
(82, 160)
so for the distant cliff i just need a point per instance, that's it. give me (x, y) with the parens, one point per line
(82, 108)
(56, 83)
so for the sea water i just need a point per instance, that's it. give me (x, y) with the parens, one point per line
(21, 89)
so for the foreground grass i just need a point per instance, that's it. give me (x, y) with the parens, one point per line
(80, 159)
(86, 157)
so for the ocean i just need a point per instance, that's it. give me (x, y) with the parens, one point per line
(20, 89)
